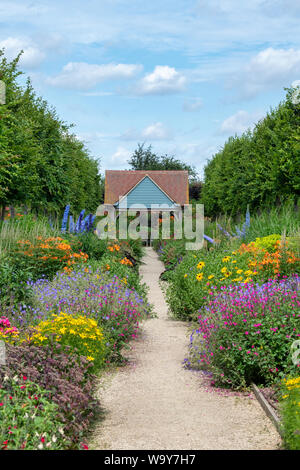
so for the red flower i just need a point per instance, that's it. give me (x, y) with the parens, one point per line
(42, 439)
(24, 377)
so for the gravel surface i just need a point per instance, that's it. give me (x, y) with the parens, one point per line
(153, 403)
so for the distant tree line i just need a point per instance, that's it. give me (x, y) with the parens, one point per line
(145, 159)
(43, 166)
(259, 168)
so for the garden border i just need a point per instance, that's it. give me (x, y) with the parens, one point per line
(267, 408)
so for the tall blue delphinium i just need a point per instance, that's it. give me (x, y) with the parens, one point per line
(79, 222)
(71, 225)
(224, 231)
(65, 219)
(239, 233)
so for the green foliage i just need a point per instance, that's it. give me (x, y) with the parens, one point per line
(145, 159)
(290, 413)
(28, 417)
(258, 168)
(13, 283)
(42, 164)
(44, 257)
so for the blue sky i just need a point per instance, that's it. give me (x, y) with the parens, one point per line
(181, 75)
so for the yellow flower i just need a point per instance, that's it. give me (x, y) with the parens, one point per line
(239, 271)
(248, 273)
(200, 265)
(211, 276)
(227, 258)
(185, 275)
(224, 270)
(90, 358)
(199, 276)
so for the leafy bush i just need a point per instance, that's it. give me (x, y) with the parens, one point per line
(199, 274)
(46, 256)
(13, 285)
(245, 333)
(268, 243)
(90, 244)
(290, 412)
(78, 332)
(68, 379)
(260, 166)
(28, 417)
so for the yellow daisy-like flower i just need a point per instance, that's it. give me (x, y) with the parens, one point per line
(224, 270)
(248, 273)
(199, 276)
(185, 275)
(211, 276)
(239, 271)
(200, 265)
(90, 358)
(226, 259)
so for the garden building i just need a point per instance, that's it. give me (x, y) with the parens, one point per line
(147, 191)
(143, 189)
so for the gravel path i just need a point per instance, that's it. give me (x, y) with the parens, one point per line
(153, 403)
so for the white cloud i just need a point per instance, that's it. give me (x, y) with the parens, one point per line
(192, 105)
(270, 67)
(239, 122)
(155, 131)
(163, 80)
(32, 55)
(83, 76)
(121, 156)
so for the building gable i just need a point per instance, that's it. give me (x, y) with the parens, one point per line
(174, 183)
(146, 192)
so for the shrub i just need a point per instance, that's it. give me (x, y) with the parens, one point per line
(245, 333)
(28, 417)
(268, 243)
(46, 256)
(13, 283)
(90, 244)
(199, 274)
(66, 376)
(78, 332)
(290, 413)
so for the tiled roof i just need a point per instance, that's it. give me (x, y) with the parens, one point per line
(173, 183)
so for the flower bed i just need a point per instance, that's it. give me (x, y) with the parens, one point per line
(67, 379)
(245, 333)
(199, 274)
